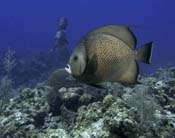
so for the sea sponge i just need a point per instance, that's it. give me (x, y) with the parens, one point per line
(58, 79)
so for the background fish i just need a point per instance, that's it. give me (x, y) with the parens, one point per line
(108, 54)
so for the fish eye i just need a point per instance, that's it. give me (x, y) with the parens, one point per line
(75, 58)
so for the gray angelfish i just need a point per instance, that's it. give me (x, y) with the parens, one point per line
(108, 54)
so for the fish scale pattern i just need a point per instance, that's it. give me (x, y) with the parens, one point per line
(109, 52)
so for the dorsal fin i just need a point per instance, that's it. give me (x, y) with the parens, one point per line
(121, 31)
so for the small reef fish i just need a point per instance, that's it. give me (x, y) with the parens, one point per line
(108, 54)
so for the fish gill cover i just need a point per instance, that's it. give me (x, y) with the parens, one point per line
(38, 98)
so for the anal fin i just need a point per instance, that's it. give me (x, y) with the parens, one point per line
(127, 72)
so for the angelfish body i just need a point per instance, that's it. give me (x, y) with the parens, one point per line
(109, 54)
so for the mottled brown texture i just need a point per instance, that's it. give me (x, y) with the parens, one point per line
(109, 51)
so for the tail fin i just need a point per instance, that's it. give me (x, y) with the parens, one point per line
(144, 53)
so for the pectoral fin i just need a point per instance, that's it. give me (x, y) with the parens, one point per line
(99, 86)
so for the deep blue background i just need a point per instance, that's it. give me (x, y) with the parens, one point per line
(30, 25)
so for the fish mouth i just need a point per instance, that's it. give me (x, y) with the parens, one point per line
(68, 69)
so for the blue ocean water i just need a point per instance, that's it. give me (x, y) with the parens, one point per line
(32, 25)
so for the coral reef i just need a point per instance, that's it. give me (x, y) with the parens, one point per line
(75, 110)
(29, 69)
(6, 81)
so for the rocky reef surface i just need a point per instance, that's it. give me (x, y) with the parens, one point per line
(74, 110)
